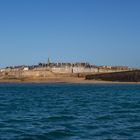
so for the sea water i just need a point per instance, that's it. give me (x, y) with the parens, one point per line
(69, 111)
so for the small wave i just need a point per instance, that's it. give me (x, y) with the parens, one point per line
(104, 118)
(59, 118)
(59, 134)
(15, 121)
(134, 128)
(52, 135)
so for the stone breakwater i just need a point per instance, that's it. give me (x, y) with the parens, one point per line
(126, 76)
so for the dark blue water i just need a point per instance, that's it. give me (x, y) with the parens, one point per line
(69, 111)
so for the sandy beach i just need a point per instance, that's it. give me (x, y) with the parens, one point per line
(62, 80)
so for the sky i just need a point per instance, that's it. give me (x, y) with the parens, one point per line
(102, 32)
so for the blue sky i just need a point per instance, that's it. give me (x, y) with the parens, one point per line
(102, 32)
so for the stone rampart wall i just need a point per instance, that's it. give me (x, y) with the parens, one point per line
(76, 70)
(73, 70)
(84, 70)
(61, 69)
(30, 73)
(52, 71)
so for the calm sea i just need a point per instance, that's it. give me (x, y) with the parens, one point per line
(69, 111)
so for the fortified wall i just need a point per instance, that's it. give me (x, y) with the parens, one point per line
(23, 74)
(57, 69)
(76, 70)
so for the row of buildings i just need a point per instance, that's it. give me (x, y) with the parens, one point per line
(66, 68)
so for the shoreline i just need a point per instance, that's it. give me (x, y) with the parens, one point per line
(63, 80)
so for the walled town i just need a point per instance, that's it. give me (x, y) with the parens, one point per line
(49, 69)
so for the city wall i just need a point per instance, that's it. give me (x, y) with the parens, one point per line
(63, 71)
(76, 70)
(23, 74)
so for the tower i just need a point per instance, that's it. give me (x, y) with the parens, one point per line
(48, 61)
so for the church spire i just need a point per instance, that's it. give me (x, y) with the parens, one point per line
(48, 61)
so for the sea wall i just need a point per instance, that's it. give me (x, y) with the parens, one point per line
(62, 71)
(125, 76)
(23, 74)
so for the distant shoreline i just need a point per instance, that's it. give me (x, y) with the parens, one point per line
(63, 80)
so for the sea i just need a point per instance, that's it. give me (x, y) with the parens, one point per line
(64, 111)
